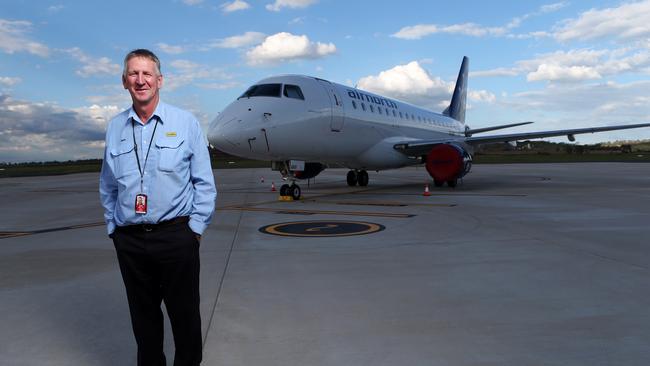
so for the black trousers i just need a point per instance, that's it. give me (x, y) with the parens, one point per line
(161, 263)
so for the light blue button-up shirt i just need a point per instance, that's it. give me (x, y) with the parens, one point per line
(177, 179)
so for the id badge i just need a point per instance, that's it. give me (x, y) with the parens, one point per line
(141, 203)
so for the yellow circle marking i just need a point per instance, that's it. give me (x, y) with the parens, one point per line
(273, 229)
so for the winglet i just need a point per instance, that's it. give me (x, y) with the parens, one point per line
(456, 109)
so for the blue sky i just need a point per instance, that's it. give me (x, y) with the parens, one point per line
(562, 64)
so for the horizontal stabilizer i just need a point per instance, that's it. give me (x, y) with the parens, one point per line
(470, 131)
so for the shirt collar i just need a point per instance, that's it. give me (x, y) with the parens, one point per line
(159, 112)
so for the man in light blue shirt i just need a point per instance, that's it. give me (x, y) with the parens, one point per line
(158, 194)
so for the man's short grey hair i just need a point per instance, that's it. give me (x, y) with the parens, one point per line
(142, 52)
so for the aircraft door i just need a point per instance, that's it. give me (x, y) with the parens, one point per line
(338, 112)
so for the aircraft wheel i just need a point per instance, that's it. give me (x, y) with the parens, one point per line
(284, 190)
(452, 183)
(438, 183)
(352, 178)
(363, 178)
(294, 191)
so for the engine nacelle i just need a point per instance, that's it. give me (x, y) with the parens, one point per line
(311, 170)
(448, 162)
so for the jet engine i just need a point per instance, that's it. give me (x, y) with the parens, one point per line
(311, 170)
(447, 163)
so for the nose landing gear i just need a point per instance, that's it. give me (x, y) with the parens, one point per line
(292, 191)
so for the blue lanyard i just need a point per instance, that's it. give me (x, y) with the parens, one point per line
(137, 158)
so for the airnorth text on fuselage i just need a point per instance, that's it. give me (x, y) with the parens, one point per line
(370, 98)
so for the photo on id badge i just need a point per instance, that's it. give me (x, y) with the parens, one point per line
(141, 204)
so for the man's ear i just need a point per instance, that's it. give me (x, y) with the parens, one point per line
(160, 81)
(124, 81)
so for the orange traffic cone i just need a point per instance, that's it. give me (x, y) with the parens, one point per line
(426, 190)
(273, 187)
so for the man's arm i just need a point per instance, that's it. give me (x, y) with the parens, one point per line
(108, 191)
(205, 191)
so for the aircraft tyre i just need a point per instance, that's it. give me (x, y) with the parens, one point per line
(352, 178)
(294, 192)
(363, 178)
(284, 190)
(438, 183)
(452, 183)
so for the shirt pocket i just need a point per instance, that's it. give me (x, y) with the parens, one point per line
(171, 154)
(124, 159)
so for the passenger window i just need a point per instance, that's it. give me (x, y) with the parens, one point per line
(400, 115)
(293, 91)
(372, 109)
(379, 110)
(354, 104)
(363, 106)
(263, 90)
(394, 113)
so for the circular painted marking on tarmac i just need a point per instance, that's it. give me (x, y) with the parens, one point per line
(316, 229)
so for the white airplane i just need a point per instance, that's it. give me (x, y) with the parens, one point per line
(304, 124)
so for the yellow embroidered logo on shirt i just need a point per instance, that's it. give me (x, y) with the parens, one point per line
(170, 134)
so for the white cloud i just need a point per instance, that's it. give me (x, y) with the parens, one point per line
(481, 96)
(297, 20)
(234, 6)
(587, 104)
(628, 21)
(292, 4)
(243, 40)
(191, 73)
(576, 65)
(32, 131)
(501, 71)
(469, 29)
(93, 66)
(173, 50)
(412, 83)
(593, 104)
(554, 72)
(219, 86)
(285, 47)
(9, 81)
(13, 38)
(55, 8)
(475, 30)
(549, 8)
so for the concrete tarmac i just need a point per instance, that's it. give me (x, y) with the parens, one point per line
(540, 264)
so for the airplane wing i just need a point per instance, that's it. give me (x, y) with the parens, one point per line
(420, 147)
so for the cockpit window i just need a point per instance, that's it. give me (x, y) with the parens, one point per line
(263, 90)
(293, 91)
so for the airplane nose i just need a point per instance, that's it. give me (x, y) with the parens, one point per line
(222, 132)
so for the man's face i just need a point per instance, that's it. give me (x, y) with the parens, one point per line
(142, 80)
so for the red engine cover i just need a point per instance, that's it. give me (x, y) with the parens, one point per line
(445, 162)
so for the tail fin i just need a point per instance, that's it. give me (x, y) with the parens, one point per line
(456, 109)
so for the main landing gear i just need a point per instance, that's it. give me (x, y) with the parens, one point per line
(451, 183)
(359, 177)
(292, 191)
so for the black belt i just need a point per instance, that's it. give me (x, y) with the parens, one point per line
(158, 226)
